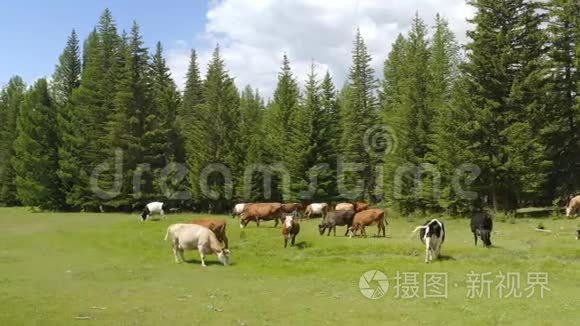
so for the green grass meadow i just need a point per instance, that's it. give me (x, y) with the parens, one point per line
(112, 269)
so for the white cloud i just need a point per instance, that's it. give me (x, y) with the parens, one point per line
(253, 35)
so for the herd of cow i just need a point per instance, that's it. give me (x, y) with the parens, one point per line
(209, 236)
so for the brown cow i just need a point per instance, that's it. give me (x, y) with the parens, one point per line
(217, 226)
(368, 217)
(261, 211)
(360, 206)
(290, 208)
(290, 230)
(573, 206)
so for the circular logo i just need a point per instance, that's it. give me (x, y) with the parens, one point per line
(379, 141)
(373, 284)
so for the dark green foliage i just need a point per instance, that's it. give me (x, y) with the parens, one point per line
(359, 113)
(11, 99)
(35, 150)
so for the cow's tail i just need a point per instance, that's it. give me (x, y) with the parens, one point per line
(422, 227)
(167, 234)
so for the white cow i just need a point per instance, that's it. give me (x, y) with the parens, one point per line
(155, 207)
(191, 236)
(573, 206)
(316, 209)
(238, 209)
(432, 235)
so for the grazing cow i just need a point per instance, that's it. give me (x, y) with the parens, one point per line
(334, 218)
(481, 225)
(316, 209)
(191, 236)
(261, 211)
(573, 206)
(432, 234)
(290, 230)
(347, 206)
(155, 207)
(368, 217)
(238, 209)
(292, 208)
(217, 226)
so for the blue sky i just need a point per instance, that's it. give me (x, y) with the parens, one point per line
(33, 32)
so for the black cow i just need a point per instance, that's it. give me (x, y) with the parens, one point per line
(334, 218)
(481, 225)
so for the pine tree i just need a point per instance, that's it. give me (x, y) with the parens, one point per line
(166, 146)
(359, 112)
(67, 75)
(326, 129)
(562, 136)
(504, 81)
(252, 138)
(192, 124)
(85, 142)
(217, 136)
(11, 99)
(133, 127)
(35, 157)
(278, 118)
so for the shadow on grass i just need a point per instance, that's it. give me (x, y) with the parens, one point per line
(445, 258)
(208, 262)
(302, 245)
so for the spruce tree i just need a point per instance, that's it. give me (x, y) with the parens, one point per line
(35, 157)
(562, 136)
(504, 83)
(11, 99)
(359, 112)
(67, 75)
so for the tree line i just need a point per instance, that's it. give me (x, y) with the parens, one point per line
(447, 127)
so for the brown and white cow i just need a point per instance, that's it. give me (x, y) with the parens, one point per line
(368, 217)
(573, 206)
(261, 211)
(192, 236)
(357, 206)
(316, 209)
(290, 230)
(217, 226)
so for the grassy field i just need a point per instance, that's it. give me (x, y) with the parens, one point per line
(70, 268)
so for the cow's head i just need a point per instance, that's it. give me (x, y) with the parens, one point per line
(224, 257)
(145, 213)
(321, 228)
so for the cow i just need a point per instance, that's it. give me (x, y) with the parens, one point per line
(334, 218)
(344, 206)
(481, 226)
(368, 217)
(261, 211)
(360, 206)
(290, 230)
(573, 206)
(155, 207)
(238, 209)
(191, 236)
(432, 234)
(316, 209)
(217, 226)
(578, 234)
(292, 208)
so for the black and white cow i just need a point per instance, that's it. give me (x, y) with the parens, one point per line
(155, 207)
(432, 234)
(481, 226)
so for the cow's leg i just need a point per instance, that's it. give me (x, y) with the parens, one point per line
(162, 214)
(427, 250)
(475, 237)
(175, 254)
(285, 241)
(293, 239)
(180, 251)
(202, 257)
(333, 230)
(347, 228)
